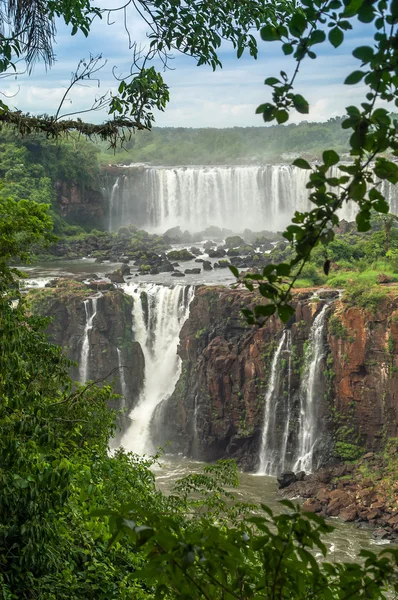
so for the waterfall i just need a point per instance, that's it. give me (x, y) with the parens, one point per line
(285, 439)
(309, 394)
(159, 312)
(272, 451)
(90, 308)
(238, 197)
(112, 196)
(123, 384)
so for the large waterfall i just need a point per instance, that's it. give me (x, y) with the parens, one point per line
(90, 309)
(239, 197)
(159, 314)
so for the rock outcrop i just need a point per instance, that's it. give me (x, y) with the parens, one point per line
(217, 408)
(81, 205)
(363, 365)
(113, 356)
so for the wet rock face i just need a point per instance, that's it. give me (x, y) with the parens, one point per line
(217, 408)
(80, 205)
(364, 357)
(111, 331)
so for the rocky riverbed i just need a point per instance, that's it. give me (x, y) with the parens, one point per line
(364, 492)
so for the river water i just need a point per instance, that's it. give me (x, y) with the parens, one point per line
(343, 544)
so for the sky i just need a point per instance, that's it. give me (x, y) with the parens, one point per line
(200, 97)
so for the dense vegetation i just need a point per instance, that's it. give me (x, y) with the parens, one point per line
(77, 522)
(237, 145)
(30, 168)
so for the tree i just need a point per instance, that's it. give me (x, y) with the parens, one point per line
(192, 27)
(372, 141)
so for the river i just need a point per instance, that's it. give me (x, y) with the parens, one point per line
(343, 544)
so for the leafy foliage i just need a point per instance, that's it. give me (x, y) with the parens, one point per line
(372, 133)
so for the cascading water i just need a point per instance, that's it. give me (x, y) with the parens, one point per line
(90, 308)
(285, 440)
(159, 313)
(273, 446)
(123, 384)
(112, 196)
(239, 197)
(309, 391)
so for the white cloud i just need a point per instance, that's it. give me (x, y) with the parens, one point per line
(199, 97)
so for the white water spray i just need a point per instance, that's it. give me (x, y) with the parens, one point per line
(268, 450)
(159, 313)
(121, 375)
(289, 351)
(309, 391)
(90, 308)
(113, 195)
(238, 197)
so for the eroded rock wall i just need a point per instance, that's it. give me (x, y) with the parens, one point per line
(81, 205)
(111, 331)
(217, 408)
(364, 362)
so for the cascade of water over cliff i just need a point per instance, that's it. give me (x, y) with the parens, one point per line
(90, 308)
(273, 445)
(239, 197)
(159, 313)
(280, 450)
(309, 393)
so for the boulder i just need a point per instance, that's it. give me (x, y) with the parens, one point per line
(192, 271)
(177, 274)
(218, 253)
(166, 267)
(125, 269)
(116, 277)
(207, 265)
(154, 271)
(300, 476)
(381, 534)
(285, 479)
(312, 505)
(348, 514)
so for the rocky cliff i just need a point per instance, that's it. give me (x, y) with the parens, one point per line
(113, 355)
(81, 205)
(217, 408)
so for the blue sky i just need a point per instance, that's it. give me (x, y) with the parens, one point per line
(199, 96)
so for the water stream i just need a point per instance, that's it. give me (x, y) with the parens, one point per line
(308, 424)
(159, 313)
(269, 450)
(90, 308)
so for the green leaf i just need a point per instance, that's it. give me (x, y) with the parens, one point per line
(336, 37)
(301, 163)
(300, 104)
(287, 49)
(285, 313)
(330, 158)
(271, 81)
(269, 33)
(234, 270)
(281, 116)
(264, 310)
(363, 53)
(354, 77)
(298, 24)
(317, 37)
